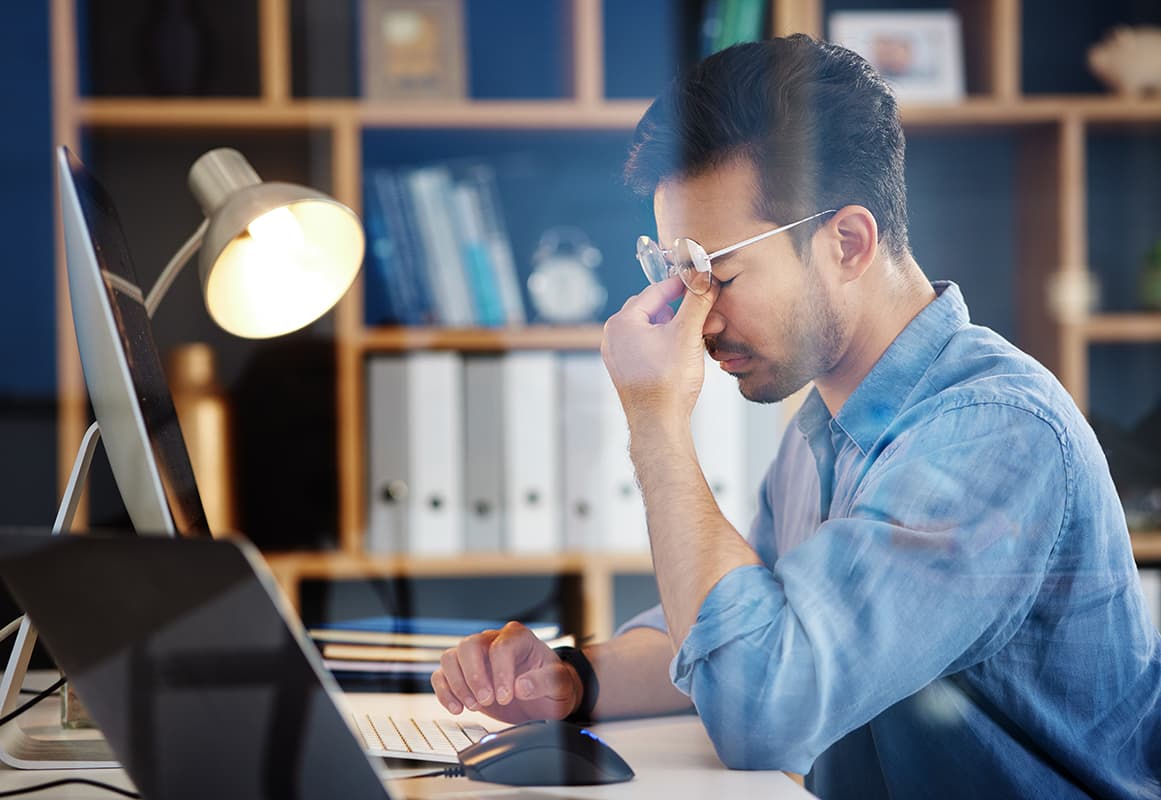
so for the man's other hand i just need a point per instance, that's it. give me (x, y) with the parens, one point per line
(508, 674)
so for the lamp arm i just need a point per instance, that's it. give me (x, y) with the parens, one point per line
(173, 268)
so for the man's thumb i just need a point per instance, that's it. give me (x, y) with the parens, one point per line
(552, 682)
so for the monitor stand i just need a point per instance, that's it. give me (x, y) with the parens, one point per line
(51, 747)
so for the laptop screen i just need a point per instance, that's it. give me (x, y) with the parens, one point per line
(202, 683)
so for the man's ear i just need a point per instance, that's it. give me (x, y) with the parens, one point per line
(855, 237)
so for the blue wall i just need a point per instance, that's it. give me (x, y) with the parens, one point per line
(28, 364)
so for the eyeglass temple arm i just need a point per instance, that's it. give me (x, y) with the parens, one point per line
(767, 234)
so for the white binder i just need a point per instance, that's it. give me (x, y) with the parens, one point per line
(531, 452)
(483, 453)
(719, 436)
(416, 460)
(602, 504)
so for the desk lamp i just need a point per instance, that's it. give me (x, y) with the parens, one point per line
(274, 258)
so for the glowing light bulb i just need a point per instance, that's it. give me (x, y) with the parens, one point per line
(277, 228)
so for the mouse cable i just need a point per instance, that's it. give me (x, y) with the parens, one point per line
(40, 787)
(4, 720)
(450, 772)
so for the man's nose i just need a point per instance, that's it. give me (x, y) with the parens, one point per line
(714, 324)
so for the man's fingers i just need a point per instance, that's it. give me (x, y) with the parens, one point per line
(444, 694)
(473, 660)
(449, 664)
(656, 297)
(515, 645)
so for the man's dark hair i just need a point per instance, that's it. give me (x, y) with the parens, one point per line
(817, 121)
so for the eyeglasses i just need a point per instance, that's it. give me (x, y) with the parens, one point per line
(688, 260)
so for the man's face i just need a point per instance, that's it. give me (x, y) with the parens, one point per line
(775, 325)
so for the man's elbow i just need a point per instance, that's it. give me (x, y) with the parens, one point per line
(758, 748)
(749, 736)
(748, 730)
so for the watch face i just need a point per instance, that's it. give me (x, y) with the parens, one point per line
(564, 290)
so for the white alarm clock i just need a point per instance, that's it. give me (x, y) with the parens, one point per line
(564, 286)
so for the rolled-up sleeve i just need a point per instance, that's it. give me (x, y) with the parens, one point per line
(933, 568)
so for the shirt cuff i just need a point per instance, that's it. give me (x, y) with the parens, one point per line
(737, 605)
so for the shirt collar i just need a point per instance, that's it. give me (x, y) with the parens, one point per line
(877, 399)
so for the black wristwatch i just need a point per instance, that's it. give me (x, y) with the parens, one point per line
(590, 687)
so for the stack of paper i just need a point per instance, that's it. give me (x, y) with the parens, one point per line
(404, 646)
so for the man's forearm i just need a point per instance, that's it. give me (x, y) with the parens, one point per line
(633, 672)
(693, 545)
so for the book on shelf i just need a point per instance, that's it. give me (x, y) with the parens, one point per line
(438, 248)
(477, 260)
(346, 661)
(432, 632)
(418, 669)
(429, 190)
(482, 179)
(342, 651)
(398, 288)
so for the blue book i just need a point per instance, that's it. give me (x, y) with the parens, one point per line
(381, 298)
(465, 202)
(417, 304)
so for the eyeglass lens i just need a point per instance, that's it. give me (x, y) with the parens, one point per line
(687, 260)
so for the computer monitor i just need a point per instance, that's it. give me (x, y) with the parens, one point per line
(135, 414)
(122, 367)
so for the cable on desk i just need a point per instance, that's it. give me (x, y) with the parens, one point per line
(4, 720)
(40, 787)
(449, 772)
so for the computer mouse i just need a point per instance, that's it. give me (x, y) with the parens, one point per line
(544, 753)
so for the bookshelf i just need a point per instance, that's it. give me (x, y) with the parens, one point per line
(1046, 132)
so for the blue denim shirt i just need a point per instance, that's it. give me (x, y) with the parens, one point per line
(949, 605)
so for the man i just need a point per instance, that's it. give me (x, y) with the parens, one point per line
(937, 596)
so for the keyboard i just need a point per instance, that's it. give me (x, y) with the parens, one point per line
(393, 736)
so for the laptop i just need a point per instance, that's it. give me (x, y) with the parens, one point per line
(188, 658)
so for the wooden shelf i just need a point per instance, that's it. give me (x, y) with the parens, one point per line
(160, 113)
(1126, 327)
(595, 571)
(310, 565)
(1147, 546)
(532, 337)
(185, 113)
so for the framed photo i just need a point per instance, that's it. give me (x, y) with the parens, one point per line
(920, 53)
(413, 49)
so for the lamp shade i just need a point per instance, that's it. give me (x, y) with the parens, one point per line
(276, 256)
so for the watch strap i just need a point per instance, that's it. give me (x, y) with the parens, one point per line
(590, 687)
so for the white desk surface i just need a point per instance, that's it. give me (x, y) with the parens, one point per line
(672, 758)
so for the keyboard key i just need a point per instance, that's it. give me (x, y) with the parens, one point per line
(475, 732)
(388, 733)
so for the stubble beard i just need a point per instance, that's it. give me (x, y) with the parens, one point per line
(814, 341)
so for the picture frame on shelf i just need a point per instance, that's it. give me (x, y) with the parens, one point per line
(413, 49)
(919, 53)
